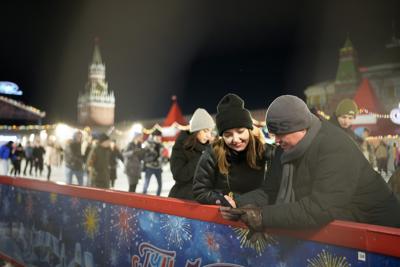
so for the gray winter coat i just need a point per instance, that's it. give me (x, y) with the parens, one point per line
(133, 156)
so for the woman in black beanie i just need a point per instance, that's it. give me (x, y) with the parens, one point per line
(235, 163)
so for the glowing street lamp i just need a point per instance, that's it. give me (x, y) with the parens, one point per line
(43, 135)
(31, 138)
(135, 129)
(63, 132)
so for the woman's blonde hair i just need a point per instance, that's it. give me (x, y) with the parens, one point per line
(254, 152)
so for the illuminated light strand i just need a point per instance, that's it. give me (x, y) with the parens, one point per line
(28, 127)
(160, 128)
(323, 114)
(23, 106)
(381, 137)
(364, 111)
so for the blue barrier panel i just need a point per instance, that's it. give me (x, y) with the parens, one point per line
(46, 224)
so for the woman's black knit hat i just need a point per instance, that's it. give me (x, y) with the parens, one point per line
(232, 114)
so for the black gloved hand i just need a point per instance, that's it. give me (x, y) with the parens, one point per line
(229, 213)
(251, 215)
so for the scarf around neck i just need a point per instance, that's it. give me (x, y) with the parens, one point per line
(286, 193)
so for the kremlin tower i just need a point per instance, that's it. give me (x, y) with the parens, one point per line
(96, 104)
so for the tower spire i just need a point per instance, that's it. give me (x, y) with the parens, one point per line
(96, 52)
(347, 75)
(395, 42)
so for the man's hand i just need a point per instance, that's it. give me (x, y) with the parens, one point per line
(252, 217)
(229, 213)
(249, 214)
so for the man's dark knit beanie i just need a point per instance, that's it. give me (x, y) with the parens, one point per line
(288, 114)
(232, 114)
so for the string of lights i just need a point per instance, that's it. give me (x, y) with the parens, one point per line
(27, 127)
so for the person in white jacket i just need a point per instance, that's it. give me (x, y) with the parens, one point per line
(51, 157)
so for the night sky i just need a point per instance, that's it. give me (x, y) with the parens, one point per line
(197, 50)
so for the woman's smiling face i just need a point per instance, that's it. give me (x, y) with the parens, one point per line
(236, 138)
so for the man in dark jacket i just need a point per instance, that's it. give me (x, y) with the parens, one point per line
(28, 157)
(324, 176)
(133, 155)
(74, 159)
(153, 160)
(98, 162)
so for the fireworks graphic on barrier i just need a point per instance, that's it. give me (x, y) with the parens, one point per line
(326, 259)
(211, 241)
(177, 230)
(126, 225)
(74, 202)
(65, 217)
(259, 242)
(6, 206)
(91, 222)
(53, 198)
(19, 197)
(44, 218)
(29, 206)
(114, 257)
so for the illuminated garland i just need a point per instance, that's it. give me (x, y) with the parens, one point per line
(363, 111)
(23, 106)
(380, 137)
(158, 127)
(27, 127)
(323, 114)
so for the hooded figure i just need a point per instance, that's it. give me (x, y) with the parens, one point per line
(186, 153)
(324, 177)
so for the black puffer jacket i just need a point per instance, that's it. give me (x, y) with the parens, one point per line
(210, 185)
(73, 156)
(333, 180)
(183, 163)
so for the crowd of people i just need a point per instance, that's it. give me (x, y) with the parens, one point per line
(99, 161)
(315, 171)
(36, 157)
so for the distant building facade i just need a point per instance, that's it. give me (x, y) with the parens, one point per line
(384, 78)
(96, 105)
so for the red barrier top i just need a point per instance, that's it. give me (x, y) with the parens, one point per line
(365, 237)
